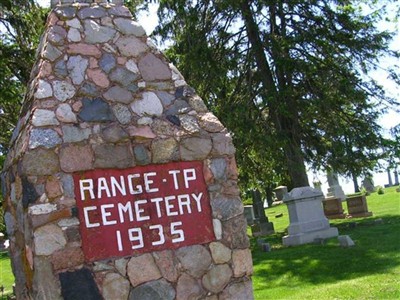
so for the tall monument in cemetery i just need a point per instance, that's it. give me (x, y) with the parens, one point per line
(119, 184)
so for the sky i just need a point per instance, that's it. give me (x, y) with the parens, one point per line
(149, 21)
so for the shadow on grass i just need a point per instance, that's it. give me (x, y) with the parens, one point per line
(377, 250)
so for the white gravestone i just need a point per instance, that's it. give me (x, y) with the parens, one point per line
(334, 190)
(306, 215)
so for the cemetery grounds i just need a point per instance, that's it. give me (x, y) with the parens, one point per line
(369, 270)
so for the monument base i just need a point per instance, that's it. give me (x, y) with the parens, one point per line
(309, 237)
(361, 215)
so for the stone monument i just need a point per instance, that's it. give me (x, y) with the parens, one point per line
(119, 183)
(280, 192)
(368, 184)
(306, 216)
(357, 206)
(334, 190)
(262, 226)
(333, 208)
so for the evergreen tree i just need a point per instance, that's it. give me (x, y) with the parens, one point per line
(289, 78)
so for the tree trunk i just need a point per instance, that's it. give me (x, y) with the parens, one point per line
(355, 183)
(268, 193)
(286, 125)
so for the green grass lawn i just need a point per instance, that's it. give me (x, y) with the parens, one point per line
(6, 276)
(369, 270)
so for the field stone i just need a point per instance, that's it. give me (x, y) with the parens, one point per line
(149, 105)
(122, 113)
(47, 138)
(96, 110)
(234, 233)
(142, 155)
(194, 259)
(44, 90)
(56, 34)
(115, 287)
(153, 290)
(195, 148)
(51, 52)
(72, 134)
(164, 150)
(107, 62)
(222, 144)
(141, 269)
(96, 33)
(217, 278)
(40, 162)
(120, 265)
(113, 156)
(114, 133)
(60, 68)
(242, 263)
(45, 283)
(63, 90)
(128, 26)
(167, 264)
(76, 67)
(226, 207)
(88, 89)
(65, 12)
(44, 117)
(91, 12)
(76, 158)
(189, 123)
(188, 288)
(122, 76)
(65, 114)
(74, 35)
(152, 68)
(238, 290)
(48, 239)
(220, 253)
(119, 94)
(210, 123)
(131, 46)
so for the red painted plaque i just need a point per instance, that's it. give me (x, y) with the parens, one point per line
(142, 209)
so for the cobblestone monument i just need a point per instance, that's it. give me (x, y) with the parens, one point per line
(119, 183)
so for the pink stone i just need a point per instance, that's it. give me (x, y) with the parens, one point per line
(142, 269)
(52, 19)
(121, 60)
(208, 175)
(53, 188)
(84, 49)
(77, 106)
(188, 288)
(167, 263)
(230, 187)
(232, 171)
(45, 69)
(93, 63)
(152, 68)
(67, 258)
(141, 132)
(98, 77)
(242, 263)
(76, 158)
